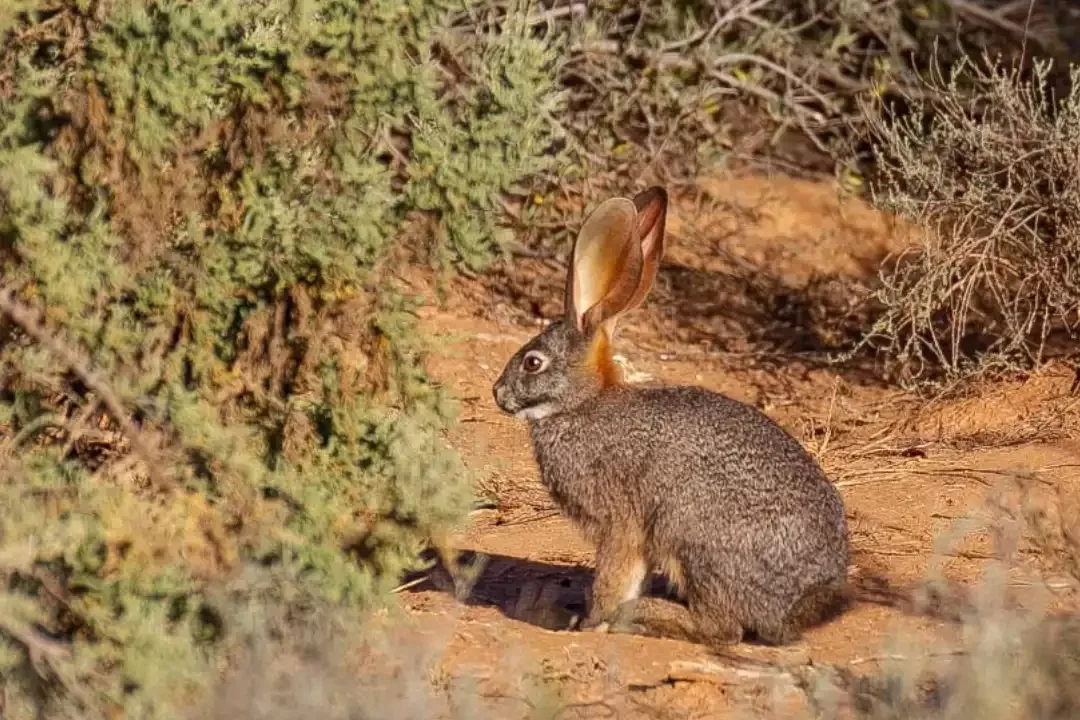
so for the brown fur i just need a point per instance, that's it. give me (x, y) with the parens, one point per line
(706, 490)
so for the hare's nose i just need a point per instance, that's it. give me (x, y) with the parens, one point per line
(499, 392)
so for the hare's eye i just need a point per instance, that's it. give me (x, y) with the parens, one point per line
(534, 362)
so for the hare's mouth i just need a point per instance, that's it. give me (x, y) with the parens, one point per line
(536, 412)
(506, 401)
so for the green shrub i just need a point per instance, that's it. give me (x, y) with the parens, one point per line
(205, 198)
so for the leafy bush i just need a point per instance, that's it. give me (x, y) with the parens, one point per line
(224, 401)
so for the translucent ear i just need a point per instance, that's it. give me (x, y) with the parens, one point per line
(605, 267)
(649, 225)
(651, 208)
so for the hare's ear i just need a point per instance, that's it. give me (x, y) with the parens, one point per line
(651, 208)
(605, 266)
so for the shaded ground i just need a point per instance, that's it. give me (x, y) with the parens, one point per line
(755, 291)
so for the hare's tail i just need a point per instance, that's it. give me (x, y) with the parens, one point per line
(818, 604)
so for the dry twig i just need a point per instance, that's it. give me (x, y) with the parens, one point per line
(25, 318)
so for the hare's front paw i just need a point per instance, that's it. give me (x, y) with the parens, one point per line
(594, 624)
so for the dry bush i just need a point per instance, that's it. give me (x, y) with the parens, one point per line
(986, 160)
(667, 88)
(666, 91)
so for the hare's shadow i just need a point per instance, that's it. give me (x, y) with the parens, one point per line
(541, 594)
(551, 596)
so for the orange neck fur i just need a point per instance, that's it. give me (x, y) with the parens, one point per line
(600, 360)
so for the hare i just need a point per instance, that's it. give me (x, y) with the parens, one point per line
(688, 483)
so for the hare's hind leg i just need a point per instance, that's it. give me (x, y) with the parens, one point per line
(616, 604)
(707, 623)
(715, 621)
(661, 618)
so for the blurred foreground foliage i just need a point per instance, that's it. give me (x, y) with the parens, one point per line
(208, 201)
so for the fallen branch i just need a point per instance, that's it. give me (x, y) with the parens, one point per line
(996, 18)
(896, 657)
(743, 672)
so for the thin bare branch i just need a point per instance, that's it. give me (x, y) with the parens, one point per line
(26, 319)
